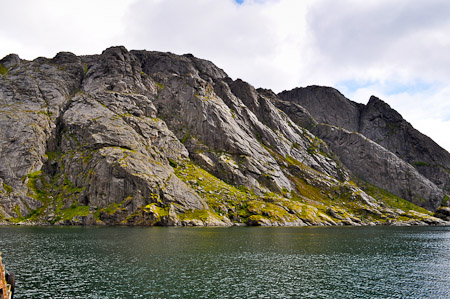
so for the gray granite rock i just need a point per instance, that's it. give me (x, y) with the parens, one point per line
(149, 138)
(381, 124)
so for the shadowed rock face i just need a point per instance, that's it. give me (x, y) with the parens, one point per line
(327, 105)
(373, 163)
(382, 124)
(150, 138)
(378, 122)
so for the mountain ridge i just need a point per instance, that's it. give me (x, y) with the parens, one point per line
(150, 138)
(380, 123)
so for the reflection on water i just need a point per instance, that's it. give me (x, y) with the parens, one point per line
(238, 262)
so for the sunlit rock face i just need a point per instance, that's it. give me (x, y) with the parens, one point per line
(150, 138)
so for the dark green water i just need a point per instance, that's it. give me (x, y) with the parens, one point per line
(237, 262)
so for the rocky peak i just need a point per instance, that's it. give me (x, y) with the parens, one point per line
(378, 122)
(65, 58)
(10, 61)
(378, 108)
(154, 63)
(326, 105)
(246, 93)
(384, 125)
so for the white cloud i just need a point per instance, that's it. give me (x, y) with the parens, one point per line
(254, 41)
(45, 27)
(396, 50)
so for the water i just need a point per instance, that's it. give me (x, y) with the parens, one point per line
(237, 262)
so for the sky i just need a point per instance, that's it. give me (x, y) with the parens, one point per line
(396, 50)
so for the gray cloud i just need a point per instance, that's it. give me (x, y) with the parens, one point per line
(384, 44)
(390, 34)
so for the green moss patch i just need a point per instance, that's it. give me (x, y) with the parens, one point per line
(74, 211)
(270, 211)
(420, 163)
(160, 86)
(7, 188)
(390, 199)
(445, 200)
(157, 210)
(218, 194)
(3, 70)
(202, 215)
(113, 208)
(54, 192)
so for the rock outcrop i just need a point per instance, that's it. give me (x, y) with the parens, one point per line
(150, 138)
(382, 124)
(378, 122)
(378, 166)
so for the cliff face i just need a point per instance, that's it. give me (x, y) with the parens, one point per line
(149, 138)
(382, 124)
(407, 163)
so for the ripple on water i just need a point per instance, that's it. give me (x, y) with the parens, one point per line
(244, 262)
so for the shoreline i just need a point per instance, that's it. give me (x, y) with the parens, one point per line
(340, 224)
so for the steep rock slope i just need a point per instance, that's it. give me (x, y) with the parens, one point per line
(383, 125)
(149, 138)
(373, 163)
(71, 142)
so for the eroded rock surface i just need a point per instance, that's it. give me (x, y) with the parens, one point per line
(378, 123)
(150, 138)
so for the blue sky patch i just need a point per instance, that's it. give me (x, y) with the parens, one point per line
(388, 87)
(239, 1)
(410, 87)
(353, 85)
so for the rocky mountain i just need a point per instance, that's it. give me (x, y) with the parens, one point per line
(415, 155)
(150, 138)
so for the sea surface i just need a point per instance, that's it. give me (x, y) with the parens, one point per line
(235, 262)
